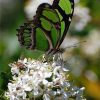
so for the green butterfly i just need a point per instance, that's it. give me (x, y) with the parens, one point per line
(48, 29)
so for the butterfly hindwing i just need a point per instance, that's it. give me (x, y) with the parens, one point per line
(45, 29)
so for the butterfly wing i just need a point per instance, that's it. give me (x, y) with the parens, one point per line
(65, 9)
(49, 26)
(42, 33)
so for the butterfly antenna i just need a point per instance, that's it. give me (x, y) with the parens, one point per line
(75, 45)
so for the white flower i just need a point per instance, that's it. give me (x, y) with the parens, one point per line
(82, 17)
(15, 92)
(46, 97)
(14, 69)
(92, 46)
(36, 79)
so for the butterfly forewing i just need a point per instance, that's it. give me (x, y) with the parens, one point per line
(65, 9)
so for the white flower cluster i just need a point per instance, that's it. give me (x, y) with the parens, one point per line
(36, 80)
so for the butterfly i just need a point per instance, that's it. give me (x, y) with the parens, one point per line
(48, 28)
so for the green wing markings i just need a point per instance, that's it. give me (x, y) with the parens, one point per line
(41, 41)
(62, 28)
(55, 34)
(66, 6)
(26, 34)
(46, 24)
(51, 15)
(59, 15)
